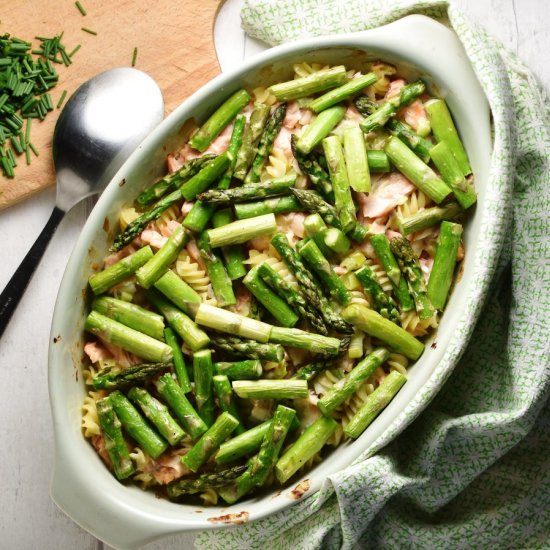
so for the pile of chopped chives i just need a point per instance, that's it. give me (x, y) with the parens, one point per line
(25, 84)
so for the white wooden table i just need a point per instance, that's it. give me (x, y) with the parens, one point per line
(29, 518)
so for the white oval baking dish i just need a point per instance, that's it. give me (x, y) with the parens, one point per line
(126, 517)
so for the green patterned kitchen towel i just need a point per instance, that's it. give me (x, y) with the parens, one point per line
(473, 470)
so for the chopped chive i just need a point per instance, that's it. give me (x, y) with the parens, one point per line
(16, 145)
(8, 169)
(76, 48)
(134, 57)
(89, 31)
(31, 145)
(11, 157)
(28, 156)
(61, 99)
(81, 8)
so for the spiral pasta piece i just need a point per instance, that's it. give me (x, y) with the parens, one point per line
(416, 326)
(262, 95)
(90, 421)
(398, 362)
(195, 277)
(382, 71)
(415, 202)
(305, 69)
(209, 497)
(279, 165)
(170, 214)
(127, 215)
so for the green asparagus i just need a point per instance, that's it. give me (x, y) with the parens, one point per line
(203, 371)
(248, 348)
(111, 378)
(320, 128)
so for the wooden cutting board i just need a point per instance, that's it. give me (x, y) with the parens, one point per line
(175, 47)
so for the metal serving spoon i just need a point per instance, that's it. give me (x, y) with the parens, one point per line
(101, 124)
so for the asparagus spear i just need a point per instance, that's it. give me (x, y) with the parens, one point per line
(203, 371)
(310, 371)
(320, 128)
(408, 263)
(297, 338)
(226, 401)
(355, 155)
(321, 267)
(309, 165)
(250, 369)
(134, 228)
(310, 84)
(177, 291)
(234, 146)
(200, 213)
(174, 395)
(383, 303)
(428, 218)
(242, 230)
(185, 327)
(441, 275)
(232, 323)
(114, 440)
(348, 385)
(242, 444)
(248, 348)
(373, 323)
(374, 403)
(308, 285)
(114, 274)
(275, 305)
(452, 175)
(335, 240)
(206, 177)
(268, 188)
(340, 182)
(170, 182)
(310, 442)
(209, 443)
(417, 171)
(127, 338)
(158, 265)
(444, 130)
(262, 464)
(315, 228)
(252, 134)
(131, 315)
(111, 378)
(342, 92)
(275, 205)
(383, 251)
(265, 144)
(219, 120)
(221, 283)
(388, 109)
(157, 414)
(211, 480)
(378, 161)
(234, 255)
(135, 425)
(270, 389)
(292, 297)
(420, 145)
(179, 362)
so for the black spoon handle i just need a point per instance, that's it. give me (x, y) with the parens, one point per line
(14, 290)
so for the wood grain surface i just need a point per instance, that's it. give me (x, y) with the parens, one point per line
(175, 47)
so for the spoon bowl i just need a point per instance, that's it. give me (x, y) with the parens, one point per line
(99, 127)
(101, 124)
